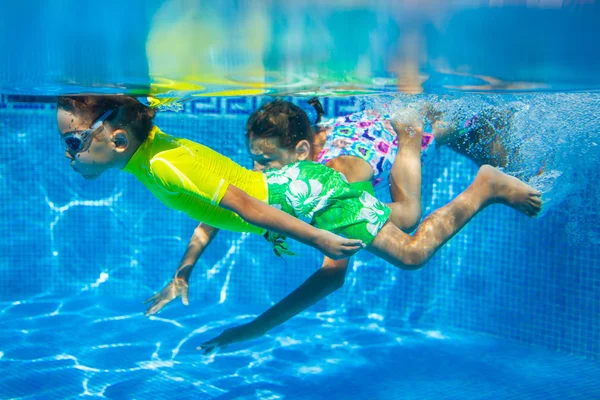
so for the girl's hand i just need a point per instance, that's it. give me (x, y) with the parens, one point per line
(337, 247)
(176, 288)
(237, 334)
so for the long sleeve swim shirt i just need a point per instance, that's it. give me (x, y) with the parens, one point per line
(193, 178)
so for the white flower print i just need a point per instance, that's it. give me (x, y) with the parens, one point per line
(284, 175)
(305, 199)
(371, 212)
(323, 201)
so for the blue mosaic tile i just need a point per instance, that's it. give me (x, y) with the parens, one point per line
(204, 105)
(240, 105)
(344, 106)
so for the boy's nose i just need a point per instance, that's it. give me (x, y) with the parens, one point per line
(68, 155)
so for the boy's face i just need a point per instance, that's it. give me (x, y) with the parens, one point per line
(98, 155)
(266, 153)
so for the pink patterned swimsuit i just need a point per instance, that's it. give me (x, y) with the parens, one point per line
(367, 135)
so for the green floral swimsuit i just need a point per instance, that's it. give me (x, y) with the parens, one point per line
(323, 198)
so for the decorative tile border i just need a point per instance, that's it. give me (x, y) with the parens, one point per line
(234, 106)
(19, 102)
(205, 105)
(240, 105)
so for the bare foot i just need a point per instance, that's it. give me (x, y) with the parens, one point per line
(508, 190)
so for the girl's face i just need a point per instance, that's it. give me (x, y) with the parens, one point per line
(266, 153)
(97, 155)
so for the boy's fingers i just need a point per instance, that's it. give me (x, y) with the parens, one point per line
(152, 298)
(354, 242)
(209, 343)
(354, 247)
(205, 348)
(152, 310)
(159, 305)
(184, 297)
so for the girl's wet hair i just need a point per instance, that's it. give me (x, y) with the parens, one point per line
(318, 108)
(284, 120)
(133, 115)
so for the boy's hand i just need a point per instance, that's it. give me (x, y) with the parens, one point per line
(237, 334)
(177, 287)
(337, 247)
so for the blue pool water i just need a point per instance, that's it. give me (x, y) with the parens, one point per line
(508, 309)
(88, 347)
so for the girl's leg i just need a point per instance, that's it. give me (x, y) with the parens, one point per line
(354, 169)
(405, 176)
(489, 187)
(484, 142)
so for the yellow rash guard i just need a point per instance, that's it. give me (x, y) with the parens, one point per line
(193, 178)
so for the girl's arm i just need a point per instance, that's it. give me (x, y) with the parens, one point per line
(203, 235)
(262, 215)
(329, 278)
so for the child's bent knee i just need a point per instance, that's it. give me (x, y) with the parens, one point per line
(405, 216)
(414, 258)
(410, 265)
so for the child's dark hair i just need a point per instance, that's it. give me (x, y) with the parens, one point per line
(132, 114)
(284, 120)
(318, 108)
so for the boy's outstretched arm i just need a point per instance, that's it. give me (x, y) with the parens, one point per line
(329, 278)
(203, 235)
(262, 215)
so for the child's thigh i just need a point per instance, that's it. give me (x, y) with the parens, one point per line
(355, 169)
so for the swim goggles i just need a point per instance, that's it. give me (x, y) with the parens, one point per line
(78, 141)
